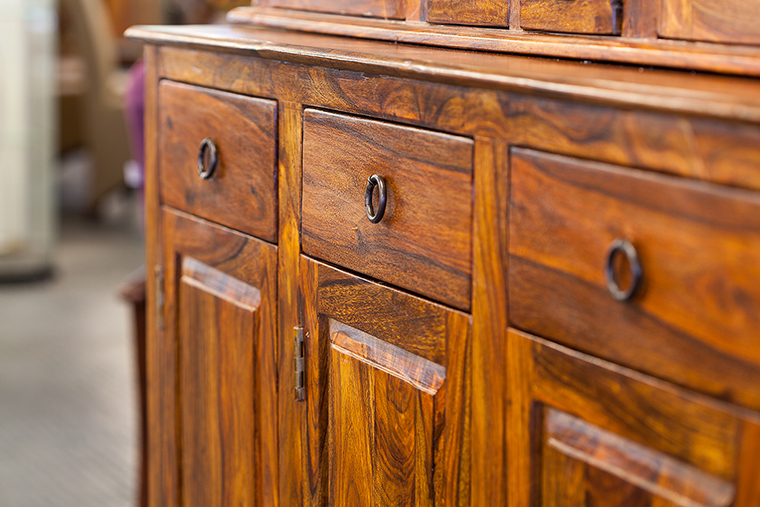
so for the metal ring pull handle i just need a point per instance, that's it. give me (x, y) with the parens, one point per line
(621, 246)
(375, 181)
(207, 150)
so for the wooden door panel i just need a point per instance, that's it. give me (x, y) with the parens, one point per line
(381, 405)
(220, 317)
(586, 432)
(218, 325)
(386, 393)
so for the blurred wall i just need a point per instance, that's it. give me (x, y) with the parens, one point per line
(27, 88)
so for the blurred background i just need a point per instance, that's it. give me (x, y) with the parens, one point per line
(71, 247)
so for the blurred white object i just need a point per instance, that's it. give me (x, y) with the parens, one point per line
(27, 122)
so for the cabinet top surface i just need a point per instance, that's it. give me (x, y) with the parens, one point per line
(702, 94)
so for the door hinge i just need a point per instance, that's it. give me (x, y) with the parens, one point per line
(298, 370)
(160, 298)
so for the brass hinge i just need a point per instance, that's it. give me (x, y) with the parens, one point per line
(298, 370)
(160, 298)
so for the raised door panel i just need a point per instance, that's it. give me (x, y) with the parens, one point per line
(220, 315)
(386, 394)
(586, 432)
(390, 9)
(733, 21)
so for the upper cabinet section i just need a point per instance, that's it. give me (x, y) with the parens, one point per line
(217, 157)
(732, 21)
(415, 184)
(387, 9)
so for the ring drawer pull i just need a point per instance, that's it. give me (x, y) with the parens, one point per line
(375, 181)
(622, 247)
(208, 158)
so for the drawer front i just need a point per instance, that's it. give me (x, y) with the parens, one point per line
(601, 17)
(695, 317)
(587, 432)
(388, 9)
(472, 12)
(733, 21)
(241, 193)
(423, 242)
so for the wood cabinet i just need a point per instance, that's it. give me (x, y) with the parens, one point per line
(420, 276)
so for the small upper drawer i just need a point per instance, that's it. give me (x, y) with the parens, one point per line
(581, 233)
(423, 241)
(388, 9)
(240, 190)
(601, 17)
(733, 21)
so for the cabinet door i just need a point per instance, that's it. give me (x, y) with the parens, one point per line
(220, 311)
(386, 393)
(584, 432)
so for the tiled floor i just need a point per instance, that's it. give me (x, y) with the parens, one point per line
(67, 401)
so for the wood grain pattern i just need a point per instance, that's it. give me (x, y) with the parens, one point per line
(424, 241)
(593, 429)
(469, 12)
(698, 247)
(647, 50)
(732, 21)
(242, 192)
(365, 379)
(600, 17)
(163, 470)
(381, 421)
(218, 326)
(221, 289)
(489, 323)
(388, 9)
(701, 148)
(290, 412)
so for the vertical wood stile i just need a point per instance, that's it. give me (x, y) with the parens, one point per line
(290, 411)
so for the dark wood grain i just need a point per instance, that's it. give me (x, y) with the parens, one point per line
(218, 326)
(600, 17)
(489, 323)
(386, 424)
(723, 152)
(733, 21)
(591, 430)
(469, 12)
(388, 9)
(242, 192)
(646, 50)
(221, 289)
(698, 246)
(424, 241)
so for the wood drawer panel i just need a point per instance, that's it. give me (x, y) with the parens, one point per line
(601, 17)
(588, 432)
(695, 318)
(470, 12)
(733, 21)
(389, 9)
(242, 192)
(423, 243)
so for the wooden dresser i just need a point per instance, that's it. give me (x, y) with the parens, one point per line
(395, 274)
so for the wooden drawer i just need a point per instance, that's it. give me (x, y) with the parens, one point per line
(241, 193)
(733, 21)
(588, 432)
(695, 318)
(388, 9)
(472, 12)
(602, 17)
(424, 241)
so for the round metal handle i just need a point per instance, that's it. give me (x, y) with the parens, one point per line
(621, 246)
(208, 158)
(375, 181)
